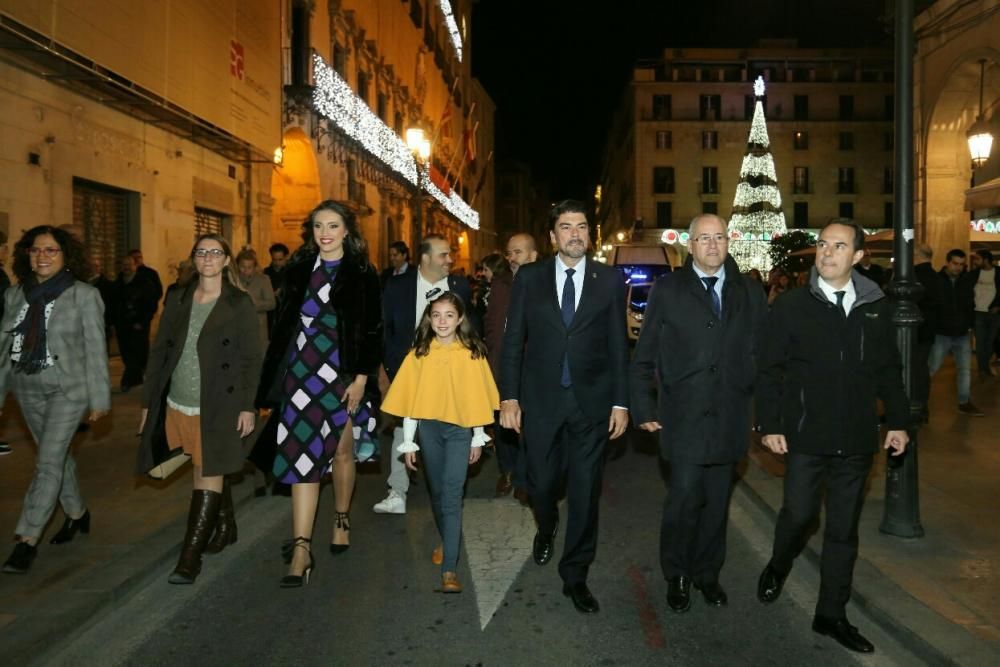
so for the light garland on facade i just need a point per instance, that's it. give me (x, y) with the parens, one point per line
(750, 232)
(334, 99)
(449, 20)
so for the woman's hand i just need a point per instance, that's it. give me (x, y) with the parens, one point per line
(474, 454)
(355, 393)
(142, 420)
(244, 423)
(410, 459)
(97, 414)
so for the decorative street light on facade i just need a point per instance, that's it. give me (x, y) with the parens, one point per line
(979, 135)
(420, 146)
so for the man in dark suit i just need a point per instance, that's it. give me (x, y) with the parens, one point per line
(827, 355)
(403, 302)
(565, 365)
(399, 262)
(697, 346)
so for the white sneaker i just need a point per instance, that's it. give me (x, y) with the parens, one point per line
(394, 503)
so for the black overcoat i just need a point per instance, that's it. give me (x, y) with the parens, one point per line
(702, 368)
(229, 359)
(822, 374)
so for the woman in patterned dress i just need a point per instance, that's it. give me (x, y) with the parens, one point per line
(320, 373)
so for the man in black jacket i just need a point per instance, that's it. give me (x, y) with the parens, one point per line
(564, 363)
(955, 302)
(404, 299)
(696, 345)
(829, 352)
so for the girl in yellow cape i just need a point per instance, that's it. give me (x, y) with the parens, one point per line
(445, 388)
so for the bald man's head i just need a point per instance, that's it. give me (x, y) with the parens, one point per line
(521, 250)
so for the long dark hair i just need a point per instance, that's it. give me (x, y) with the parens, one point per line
(466, 335)
(74, 254)
(355, 247)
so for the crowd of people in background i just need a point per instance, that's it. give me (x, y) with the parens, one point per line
(302, 361)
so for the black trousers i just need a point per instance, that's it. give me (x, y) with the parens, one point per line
(695, 516)
(134, 347)
(844, 478)
(567, 444)
(508, 448)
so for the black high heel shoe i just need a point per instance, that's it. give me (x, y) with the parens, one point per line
(299, 580)
(342, 521)
(69, 528)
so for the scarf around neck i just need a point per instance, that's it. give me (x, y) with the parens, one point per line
(34, 348)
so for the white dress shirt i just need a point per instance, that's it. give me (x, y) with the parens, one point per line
(850, 296)
(423, 288)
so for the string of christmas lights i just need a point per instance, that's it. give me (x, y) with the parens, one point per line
(334, 99)
(449, 20)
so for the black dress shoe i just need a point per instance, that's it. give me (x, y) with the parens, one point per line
(543, 546)
(846, 634)
(713, 593)
(679, 594)
(769, 585)
(583, 600)
(20, 560)
(69, 528)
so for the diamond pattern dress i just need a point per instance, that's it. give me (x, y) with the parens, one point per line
(312, 415)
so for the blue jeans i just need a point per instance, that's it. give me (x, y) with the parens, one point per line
(445, 451)
(961, 348)
(987, 325)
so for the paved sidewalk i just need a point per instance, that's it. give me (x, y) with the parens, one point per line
(136, 530)
(942, 590)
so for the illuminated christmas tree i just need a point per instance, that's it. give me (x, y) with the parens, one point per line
(757, 216)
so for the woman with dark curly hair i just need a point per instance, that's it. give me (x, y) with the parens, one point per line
(320, 375)
(54, 358)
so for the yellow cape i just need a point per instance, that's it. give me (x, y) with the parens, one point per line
(447, 385)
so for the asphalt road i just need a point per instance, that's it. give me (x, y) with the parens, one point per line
(377, 603)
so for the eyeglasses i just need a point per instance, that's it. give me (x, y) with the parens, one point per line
(708, 239)
(49, 252)
(215, 253)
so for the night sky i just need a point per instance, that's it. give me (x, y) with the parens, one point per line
(557, 68)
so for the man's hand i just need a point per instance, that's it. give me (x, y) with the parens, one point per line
(896, 441)
(776, 443)
(474, 454)
(652, 427)
(510, 414)
(618, 423)
(410, 459)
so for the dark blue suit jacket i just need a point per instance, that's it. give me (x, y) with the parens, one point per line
(399, 306)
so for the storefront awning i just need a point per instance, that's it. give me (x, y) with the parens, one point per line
(983, 196)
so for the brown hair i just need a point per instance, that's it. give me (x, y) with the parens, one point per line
(465, 333)
(227, 272)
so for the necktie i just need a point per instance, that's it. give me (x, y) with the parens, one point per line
(840, 301)
(716, 301)
(568, 308)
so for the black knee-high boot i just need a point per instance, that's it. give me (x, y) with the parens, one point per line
(202, 517)
(225, 528)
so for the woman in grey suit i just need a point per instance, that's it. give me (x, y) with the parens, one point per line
(54, 358)
(199, 394)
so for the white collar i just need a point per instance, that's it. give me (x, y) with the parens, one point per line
(580, 267)
(831, 292)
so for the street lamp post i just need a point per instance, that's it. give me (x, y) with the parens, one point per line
(901, 515)
(420, 146)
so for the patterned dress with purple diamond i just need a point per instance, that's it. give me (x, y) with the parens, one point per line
(312, 415)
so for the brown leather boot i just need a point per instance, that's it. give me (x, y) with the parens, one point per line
(225, 527)
(202, 518)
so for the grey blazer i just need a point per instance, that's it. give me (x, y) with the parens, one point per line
(75, 337)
